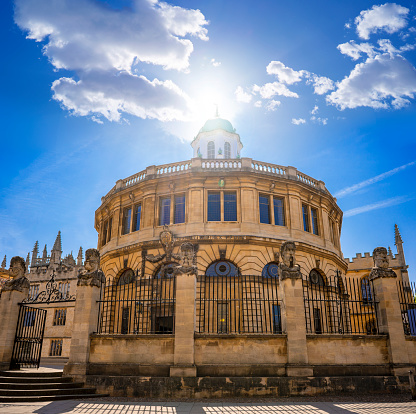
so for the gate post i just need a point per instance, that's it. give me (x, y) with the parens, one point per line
(293, 315)
(14, 291)
(85, 316)
(388, 311)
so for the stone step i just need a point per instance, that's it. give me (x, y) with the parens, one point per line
(45, 392)
(34, 380)
(15, 399)
(38, 374)
(39, 386)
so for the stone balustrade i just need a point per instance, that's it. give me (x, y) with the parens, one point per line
(243, 164)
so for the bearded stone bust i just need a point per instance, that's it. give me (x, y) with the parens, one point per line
(288, 268)
(17, 270)
(91, 275)
(381, 264)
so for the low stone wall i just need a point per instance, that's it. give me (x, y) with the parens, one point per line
(240, 355)
(197, 387)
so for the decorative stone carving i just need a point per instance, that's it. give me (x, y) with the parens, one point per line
(91, 275)
(17, 270)
(187, 265)
(381, 264)
(288, 267)
(166, 238)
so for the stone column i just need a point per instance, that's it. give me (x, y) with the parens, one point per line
(293, 314)
(9, 312)
(389, 312)
(184, 351)
(85, 317)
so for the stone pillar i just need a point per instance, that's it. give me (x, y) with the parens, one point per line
(185, 314)
(9, 312)
(293, 314)
(389, 312)
(85, 317)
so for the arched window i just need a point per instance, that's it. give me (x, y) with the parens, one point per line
(316, 278)
(222, 268)
(167, 269)
(126, 277)
(270, 270)
(211, 150)
(227, 150)
(366, 291)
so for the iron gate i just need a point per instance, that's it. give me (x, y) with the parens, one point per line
(27, 345)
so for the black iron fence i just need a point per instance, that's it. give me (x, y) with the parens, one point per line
(407, 299)
(238, 304)
(339, 305)
(137, 305)
(27, 345)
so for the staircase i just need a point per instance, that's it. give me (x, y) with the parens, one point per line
(31, 386)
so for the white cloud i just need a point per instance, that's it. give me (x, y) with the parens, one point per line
(89, 37)
(258, 104)
(315, 110)
(272, 105)
(298, 121)
(284, 74)
(354, 50)
(108, 95)
(375, 206)
(380, 82)
(321, 84)
(242, 96)
(352, 189)
(389, 17)
(322, 121)
(215, 63)
(269, 90)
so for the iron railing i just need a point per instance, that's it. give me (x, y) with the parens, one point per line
(339, 305)
(407, 299)
(238, 304)
(137, 305)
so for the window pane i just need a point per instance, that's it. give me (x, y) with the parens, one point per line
(264, 209)
(279, 212)
(179, 209)
(227, 150)
(126, 220)
(136, 217)
(110, 225)
(214, 207)
(164, 211)
(277, 327)
(305, 217)
(104, 235)
(211, 150)
(222, 312)
(230, 206)
(314, 214)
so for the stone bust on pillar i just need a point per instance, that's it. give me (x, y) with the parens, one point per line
(288, 267)
(91, 275)
(381, 264)
(17, 270)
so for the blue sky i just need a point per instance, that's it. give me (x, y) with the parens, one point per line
(94, 91)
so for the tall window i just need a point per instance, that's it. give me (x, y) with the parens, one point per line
(110, 225)
(59, 318)
(314, 216)
(164, 211)
(264, 209)
(126, 220)
(104, 233)
(317, 320)
(366, 291)
(227, 150)
(277, 325)
(222, 313)
(214, 206)
(230, 206)
(56, 347)
(305, 214)
(63, 288)
(279, 211)
(125, 315)
(33, 291)
(179, 209)
(211, 150)
(137, 212)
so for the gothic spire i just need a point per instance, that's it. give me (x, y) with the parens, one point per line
(58, 243)
(3, 263)
(27, 262)
(45, 253)
(79, 257)
(397, 236)
(35, 253)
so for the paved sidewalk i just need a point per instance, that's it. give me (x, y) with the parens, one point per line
(80, 407)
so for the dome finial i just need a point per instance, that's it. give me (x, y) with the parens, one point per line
(217, 115)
